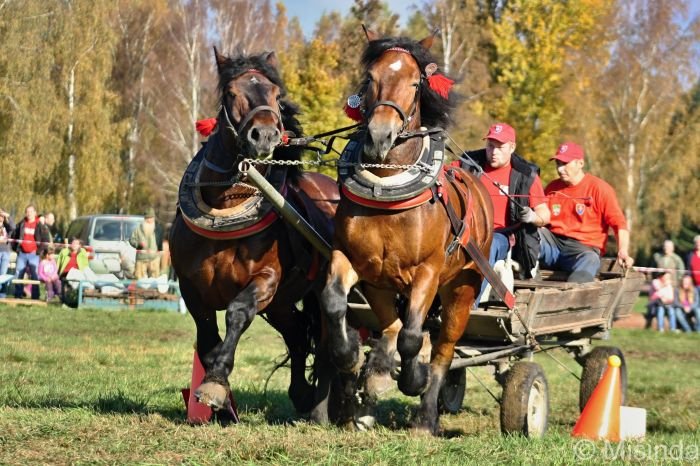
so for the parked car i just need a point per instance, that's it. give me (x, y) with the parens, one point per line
(106, 237)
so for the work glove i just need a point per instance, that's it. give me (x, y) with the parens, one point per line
(527, 215)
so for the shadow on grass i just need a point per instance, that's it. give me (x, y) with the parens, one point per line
(274, 405)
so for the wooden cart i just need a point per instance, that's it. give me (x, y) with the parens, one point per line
(548, 313)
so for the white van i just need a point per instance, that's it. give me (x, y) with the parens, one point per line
(106, 238)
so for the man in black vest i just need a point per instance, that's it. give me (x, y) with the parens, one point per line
(504, 173)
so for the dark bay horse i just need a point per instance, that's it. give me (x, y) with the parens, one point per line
(412, 246)
(230, 249)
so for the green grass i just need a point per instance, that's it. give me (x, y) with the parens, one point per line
(104, 387)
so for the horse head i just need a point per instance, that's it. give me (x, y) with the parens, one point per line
(397, 93)
(251, 103)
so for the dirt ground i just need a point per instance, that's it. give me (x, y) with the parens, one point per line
(634, 320)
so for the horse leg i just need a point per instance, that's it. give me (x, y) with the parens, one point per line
(215, 389)
(457, 300)
(415, 375)
(208, 339)
(380, 363)
(343, 340)
(294, 326)
(324, 373)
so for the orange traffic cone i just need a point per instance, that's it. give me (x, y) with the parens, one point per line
(600, 419)
(197, 413)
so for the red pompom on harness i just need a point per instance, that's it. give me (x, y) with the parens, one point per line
(206, 127)
(352, 107)
(440, 84)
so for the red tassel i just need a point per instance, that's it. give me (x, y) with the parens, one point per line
(353, 113)
(285, 138)
(206, 127)
(440, 84)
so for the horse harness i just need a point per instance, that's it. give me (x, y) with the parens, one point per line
(253, 216)
(408, 190)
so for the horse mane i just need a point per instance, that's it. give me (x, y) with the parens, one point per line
(435, 110)
(235, 66)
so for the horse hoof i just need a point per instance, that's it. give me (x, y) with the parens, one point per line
(365, 423)
(302, 396)
(414, 382)
(213, 395)
(379, 383)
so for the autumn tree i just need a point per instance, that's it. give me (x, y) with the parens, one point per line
(30, 104)
(139, 25)
(462, 50)
(532, 41)
(648, 118)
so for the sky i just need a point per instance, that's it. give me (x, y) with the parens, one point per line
(308, 11)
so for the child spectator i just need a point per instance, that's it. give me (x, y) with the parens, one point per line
(72, 257)
(688, 303)
(661, 301)
(48, 273)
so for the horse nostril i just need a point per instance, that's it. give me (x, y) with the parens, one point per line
(255, 134)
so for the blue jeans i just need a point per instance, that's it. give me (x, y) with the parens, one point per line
(27, 262)
(583, 263)
(693, 315)
(498, 252)
(661, 311)
(4, 265)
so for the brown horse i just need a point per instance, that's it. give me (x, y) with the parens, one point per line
(393, 244)
(230, 249)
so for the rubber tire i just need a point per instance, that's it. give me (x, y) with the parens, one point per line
(519, 383)
(594, 365)
(452, 392)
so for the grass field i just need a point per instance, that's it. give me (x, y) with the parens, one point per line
(104, 387)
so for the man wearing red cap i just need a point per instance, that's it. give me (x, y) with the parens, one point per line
(505, 173)
(584, 208)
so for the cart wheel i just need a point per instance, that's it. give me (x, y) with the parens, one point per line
(452, 392)
(594, 365)
(525, 400)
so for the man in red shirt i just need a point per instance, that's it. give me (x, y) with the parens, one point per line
(504, 173)
(31, 240)
(584, 208)
(694, 262)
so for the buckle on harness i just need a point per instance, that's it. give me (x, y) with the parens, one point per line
(457, 241)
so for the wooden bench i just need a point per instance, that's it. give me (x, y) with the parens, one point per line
(22, 302)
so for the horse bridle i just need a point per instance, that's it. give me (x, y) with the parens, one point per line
(241, 125)
(405, 120)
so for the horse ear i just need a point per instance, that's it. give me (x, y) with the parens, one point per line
(371, 35)
(271, 59)
(220, 59)
(428, 41)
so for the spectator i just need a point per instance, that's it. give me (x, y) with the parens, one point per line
(53, 228)
(584, 208)
(7, 226)
(72, 257)
(31, 242)
(661, 301)
(670, 261)
(688, 304)
(694, 262)
(48, 273)
(45, 228)
(144, 240)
